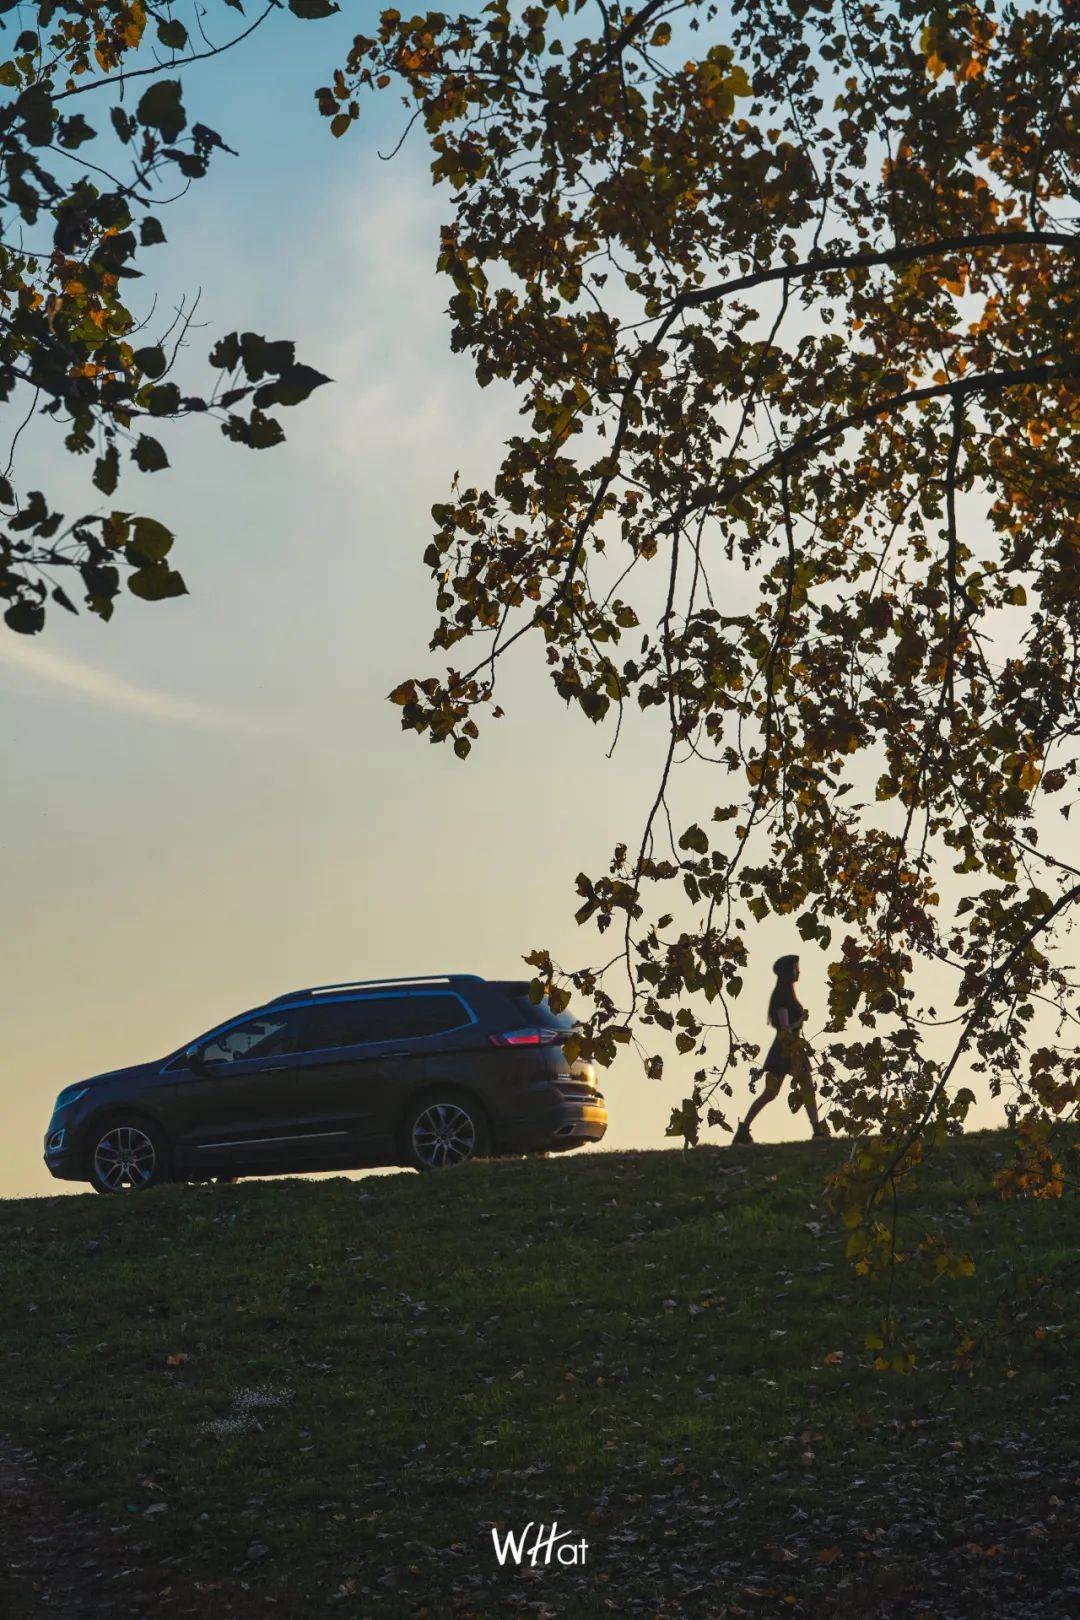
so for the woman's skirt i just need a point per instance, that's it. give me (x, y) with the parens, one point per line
(776, 1063)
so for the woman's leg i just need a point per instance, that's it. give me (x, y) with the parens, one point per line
(809, 1102)
(805, 1096)
(770, 1091)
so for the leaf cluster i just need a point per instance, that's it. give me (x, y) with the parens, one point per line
(788, 296)
(84, 184)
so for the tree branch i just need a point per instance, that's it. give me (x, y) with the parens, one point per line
(166, 67)
(962, 388)
(952, 543)
(868, 261)
(990, 989)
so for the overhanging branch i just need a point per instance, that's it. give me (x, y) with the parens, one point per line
(962, 388)
(868, 261)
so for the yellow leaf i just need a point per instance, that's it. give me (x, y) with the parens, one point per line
(133, 24)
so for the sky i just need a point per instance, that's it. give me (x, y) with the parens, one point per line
(209, 800)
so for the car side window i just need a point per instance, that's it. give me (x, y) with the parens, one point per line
(432, 1015)
(381, 1018)
(269, 1035)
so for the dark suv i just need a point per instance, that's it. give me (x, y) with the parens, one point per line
(425, 1072)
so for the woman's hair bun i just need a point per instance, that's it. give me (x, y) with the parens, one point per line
(784, 964)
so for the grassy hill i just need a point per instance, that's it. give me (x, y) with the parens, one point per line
(314, 1398)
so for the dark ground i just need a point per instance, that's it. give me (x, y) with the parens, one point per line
(315, 1398)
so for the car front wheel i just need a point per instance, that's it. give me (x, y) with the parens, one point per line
(444, 1130)
(127, 1155)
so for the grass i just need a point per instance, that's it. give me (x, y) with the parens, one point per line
(314, 1398)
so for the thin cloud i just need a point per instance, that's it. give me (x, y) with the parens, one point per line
(97, 686)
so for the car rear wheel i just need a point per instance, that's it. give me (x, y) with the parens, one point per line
(445, 1129)
(128, 1155)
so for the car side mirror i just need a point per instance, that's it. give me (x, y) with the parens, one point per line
(196, 1062)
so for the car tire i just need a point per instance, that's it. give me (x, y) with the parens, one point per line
(443, 1129)
(127, 1153)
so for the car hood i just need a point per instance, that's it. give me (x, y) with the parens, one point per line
(130, 1071)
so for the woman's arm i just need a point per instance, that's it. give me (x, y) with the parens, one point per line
(782, 1021)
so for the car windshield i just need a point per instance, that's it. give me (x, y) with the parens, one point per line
(266, 1036)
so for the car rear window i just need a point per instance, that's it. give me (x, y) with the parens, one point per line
(381, 1018)
(534, 1012)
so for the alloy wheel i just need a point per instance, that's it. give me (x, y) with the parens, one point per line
(442, 1135)
(125, 1159)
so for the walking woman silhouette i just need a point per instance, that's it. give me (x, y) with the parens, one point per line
(786, 1015)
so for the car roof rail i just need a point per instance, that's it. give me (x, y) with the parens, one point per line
(370, 984)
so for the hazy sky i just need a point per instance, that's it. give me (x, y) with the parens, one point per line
(209, 800)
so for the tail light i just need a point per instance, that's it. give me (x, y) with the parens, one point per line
(531, 1036)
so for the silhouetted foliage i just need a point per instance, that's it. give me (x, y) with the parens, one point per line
(73, 232)
(788, 292)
